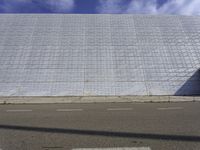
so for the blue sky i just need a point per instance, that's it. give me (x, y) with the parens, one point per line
(180, 7)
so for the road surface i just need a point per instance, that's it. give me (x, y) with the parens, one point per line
(132, 126)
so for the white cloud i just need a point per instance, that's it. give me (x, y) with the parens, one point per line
(61, 5)
(51, 5)
(181, 7)
(142, 6)
(110, 6)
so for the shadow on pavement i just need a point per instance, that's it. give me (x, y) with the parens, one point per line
(105, 133)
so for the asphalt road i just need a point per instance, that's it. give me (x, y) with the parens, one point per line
(149, 126)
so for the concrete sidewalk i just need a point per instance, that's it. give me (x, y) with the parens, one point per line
(96, 99)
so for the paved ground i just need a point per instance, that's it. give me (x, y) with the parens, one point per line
(155, 126)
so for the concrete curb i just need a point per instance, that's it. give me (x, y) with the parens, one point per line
(96, 99)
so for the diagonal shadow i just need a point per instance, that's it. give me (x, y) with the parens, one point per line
(191, 87)
(105, 133)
